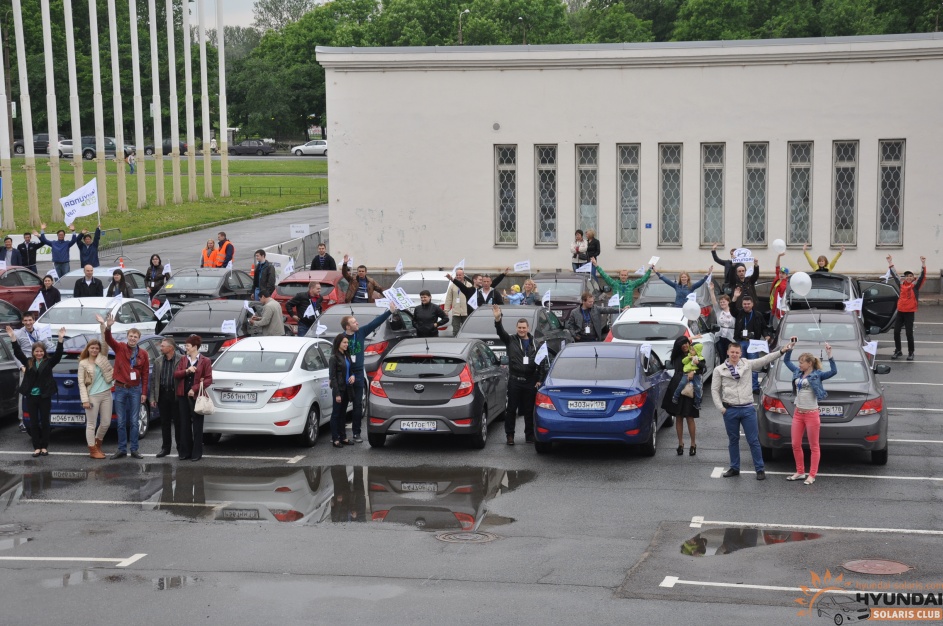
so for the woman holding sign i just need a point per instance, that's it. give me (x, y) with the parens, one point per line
(807, 380)
(155, 277)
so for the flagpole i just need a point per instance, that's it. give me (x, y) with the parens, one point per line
(205, 103)
(223, 113)
(174, 124)
(118, 109)
(6, 166)
(138, 107)
(100, 158)
(32, 195)
(78, 165)
(156, 106)
(51, 117)
(188, 99)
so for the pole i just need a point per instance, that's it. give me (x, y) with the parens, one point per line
(223, 113)
(51, 115)
(8, 74)
(156, 106)
(118, 107)
(6, 167)
(138, 107)
(32, 193)
(172, 82)
(188, 99)
(205, 103)
(78, 166)
(100, 157)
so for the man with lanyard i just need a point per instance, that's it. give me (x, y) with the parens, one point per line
(586, 323)
(357, 337)
(362, 288)
(225, 251)
(750, 325)
(28, 252)
(483, 295)
(163, 394)
(323, 261)
(26, 337)
(305, 308)
(265, 276)
(131, 372)
(524, 378)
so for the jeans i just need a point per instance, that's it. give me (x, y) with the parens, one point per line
(743, 416)
(457, 321)
(100, 408)
(811, 423)
(62, 268)
(127, 407)
(357, 390)
(167, 407)
(338, 416)
(751, 355)
(255, 294)
(521, 396)
(698, 385)
(302, 329)
(38, 409)
(131, 166)
(904, 320)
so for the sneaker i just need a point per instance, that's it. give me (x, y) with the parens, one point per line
(357, 439)
(910, 357)
(22, 428)
(897, 355)
(761, 475)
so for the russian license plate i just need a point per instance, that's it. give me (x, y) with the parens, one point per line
(239, 514)
(238, 396)
(834, 411)
(431, 487)
(204, 347)
(60, 418)
(559, 314)
(586, 405)
(417, 425)
(66, 475)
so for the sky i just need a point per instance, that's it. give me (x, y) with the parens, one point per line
(238, 12)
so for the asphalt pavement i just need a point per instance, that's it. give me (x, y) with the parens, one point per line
(588, 533)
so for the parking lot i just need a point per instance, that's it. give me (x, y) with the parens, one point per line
(263, 529)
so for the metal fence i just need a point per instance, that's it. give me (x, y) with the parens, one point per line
(110, 245)
(301, 249)
(310, 192)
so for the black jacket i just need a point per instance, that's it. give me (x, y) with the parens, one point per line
(747, 288)
(81, 290)
(51, 296)
(299, 304)
(470, 292)
(155, 278)
(574, 323)
(516, 354)
(38, 377)
(338, 371)
(730, 277)
(428, 319)
(28, 252)
(592, 249)
(754, 323)
(265, 278)
(329, 263)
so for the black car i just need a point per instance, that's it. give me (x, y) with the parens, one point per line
(197, 283)
(9, 378)
(251, 146)
(656, 292)
(380, 341)
(544, 326)
(566, 288)
(168, 147)
(40, 144)
(817, 326)
(206, 319)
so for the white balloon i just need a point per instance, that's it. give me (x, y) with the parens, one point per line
(779, 246)
(801, 284)
(691, 310)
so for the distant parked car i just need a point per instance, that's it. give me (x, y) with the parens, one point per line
(19, 286)
(659, 327)
(77, 315)
(90, 147)
(318, 147)
(333, 287)
(40, 144)
(206, 318)
(192, 284)
(566, 289)
(251, 146)
(10, 316)
(65, 148)
(168, 147)
(380, 341)
(544, 326)
(658, 293)
(435, 282)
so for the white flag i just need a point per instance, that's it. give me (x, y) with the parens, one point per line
(118, 299)
(39, 300)
(3, 265)
(289, 267)
(399, 267)
(320, 329)
(167, 268)
(692, 297)
(586, 268)
(645, 350)
(227, 327)
(44, 331)
(310, 312)
(522, 266)
(248, 307)
(614, 300)
(382, 303)
(473, 302)
(542, 353)
(546, 298)
(653, 261)
(640, 271)
(350, 262)
(871, 348)
(854, 305)
(229, 265)
(887, 275)
(163, 310)
(83, 201)
(54, 274)
(758, 345)
(459, 266)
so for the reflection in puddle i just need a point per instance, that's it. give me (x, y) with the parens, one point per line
(427, 498)
(88, 576)
(166, 583)
(9, 544)
(726, 540)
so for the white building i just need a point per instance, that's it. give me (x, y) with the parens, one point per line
(497, 154)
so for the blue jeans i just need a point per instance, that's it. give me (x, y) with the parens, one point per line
(357, 390)
(302, 329)
(127, 407)
(743, 416)
(751, 355)
(698, 389)
(255, 294)
(62, 268)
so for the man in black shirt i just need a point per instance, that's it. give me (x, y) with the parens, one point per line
(28, 250)
(586, 323)
(485, 294)
(428, 316)
(323, 261)
(305, 308)
(88, 286)
(750, 325)
(525, 376)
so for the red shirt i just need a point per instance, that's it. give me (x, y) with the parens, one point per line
(123, 363)
(909, 292)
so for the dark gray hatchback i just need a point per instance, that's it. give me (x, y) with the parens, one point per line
(437, 386)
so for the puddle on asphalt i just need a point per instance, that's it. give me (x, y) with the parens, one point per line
(91, 576)
(9, 544)
(717, 541)
(426, 498)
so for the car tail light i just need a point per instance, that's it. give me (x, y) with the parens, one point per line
(705, 311)
(379, 516)
(872, 438)
(464, 422)
(772, 405)
(608, 336)
(634, 402)
(376, 420)
(377, 487)
(774, 435)
(155, 303)
(283, 490)
(467, 521)
(283, 423)
(871, 407)
(633, 432)
(376, 389)
(543, 401)
(466, 386)
(287, 515)
(376, 348)
(285, 394)
(465, 489)
(542, 430)
(229, 342)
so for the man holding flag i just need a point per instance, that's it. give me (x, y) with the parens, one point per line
(624, 287)
(305, 308)
(60, 248)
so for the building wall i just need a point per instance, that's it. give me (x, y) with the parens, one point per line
(413, 135)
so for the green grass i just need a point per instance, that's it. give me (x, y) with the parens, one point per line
(152, 220)
(295, 165)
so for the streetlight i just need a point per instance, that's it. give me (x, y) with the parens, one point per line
(465, 12)
(523, 26)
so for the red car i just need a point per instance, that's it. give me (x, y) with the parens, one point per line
(19, 287)
(333, 288)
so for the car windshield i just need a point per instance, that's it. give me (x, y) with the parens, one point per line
(202, 318)
(484, 324)
(415, 286)
(825, 331)
(192, 282)
(561, 288)
(658, 289)
(848, 371)
(592, 368)
(247, 362)
(825, 288)
(290, 290)
(422, 367)
(73, 315)
(648, 331)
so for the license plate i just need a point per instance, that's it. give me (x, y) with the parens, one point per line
(834, 411)
(429, 487)
(558, 314)
(66, 419)
(241, 396)
(204, 347)
(65, 475)
(417, 425)
(586, 405)
(239, 514)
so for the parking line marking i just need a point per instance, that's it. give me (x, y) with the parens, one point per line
(295, 459)
(904, 408)
(698, 520)
(916, 440)
(890, 382)
(206, 505)
(716, 474)
(132, 559)
(670, 581)
(118, 562)
(892, 360)
(205, 456)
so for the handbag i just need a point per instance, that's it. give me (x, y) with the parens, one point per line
(204, 405)
(688, 390)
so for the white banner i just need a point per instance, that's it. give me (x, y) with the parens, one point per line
(167, 269)
(653, 261)
(645, 350)
(522, 266)
(614, 300)
(871, 348)
(758, 345)
(459, 266)
(284, 264)
(229, 326)
(692, 297)
(640, 271)
(298, 230)
(52, 272)
(399, 267)
(545, 299)
(81, 202)
(745, 256)
(39, 300)
(854, 305)
(320, 329)
(163, 310)
(542, 353)
(382, 303)
(399, 297)
(248, 307)
(44, 331)
(585, 269)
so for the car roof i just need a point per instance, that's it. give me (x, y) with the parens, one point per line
(558, 276)
(278, 344)
(100, 271)
(92, 302)
(425, 274)
(321, 276)
(216, 305)
(354, 309)
(839, 352)
(652, 314)
(527, 310)
(611, 350)
(449, 346)
(822, 315)
(205, 271)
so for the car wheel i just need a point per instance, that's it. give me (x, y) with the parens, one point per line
(376, 440)
(543, 447)
(298, 153)
(309, 435)
(480, 439)
(232, 153)
(210, 439)
(325, 153)
(61, 156)
(144, 419)
(260, 152)
(88, 155)
(313, 476)
(148, 151)
(669, 422)
(767, 453)
(879, 457)
(649, 447)
(839, 620)
(19, 149)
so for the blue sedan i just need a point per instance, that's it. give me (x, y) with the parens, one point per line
(603, 392)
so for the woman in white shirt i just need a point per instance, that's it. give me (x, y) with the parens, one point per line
(725, 320)
(578, 251)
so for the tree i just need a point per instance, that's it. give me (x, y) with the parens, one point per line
(708, 20)
(613, 23)
(240, 41)
(851, 17)
(276, 14)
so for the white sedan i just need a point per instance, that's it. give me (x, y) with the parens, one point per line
(660, 327)
(318, 147)
(78, 316)
(272, 386)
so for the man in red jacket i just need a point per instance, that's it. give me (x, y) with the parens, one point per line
(907, 305)
(131, 372)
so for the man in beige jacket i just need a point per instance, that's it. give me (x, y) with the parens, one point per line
(456, 303)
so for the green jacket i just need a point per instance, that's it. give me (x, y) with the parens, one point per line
(625, 290)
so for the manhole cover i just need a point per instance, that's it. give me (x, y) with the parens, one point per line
(877, 567)
(466, 537)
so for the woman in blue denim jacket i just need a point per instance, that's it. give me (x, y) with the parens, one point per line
(684, 287)
(807, 380)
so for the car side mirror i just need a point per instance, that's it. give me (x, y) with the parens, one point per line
(606, 289)
(504, 359)
(874, 330)
(882, 369)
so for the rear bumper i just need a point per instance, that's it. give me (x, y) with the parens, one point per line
(261, 421)
(384, 417)
(551, 426)
(849, 435)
